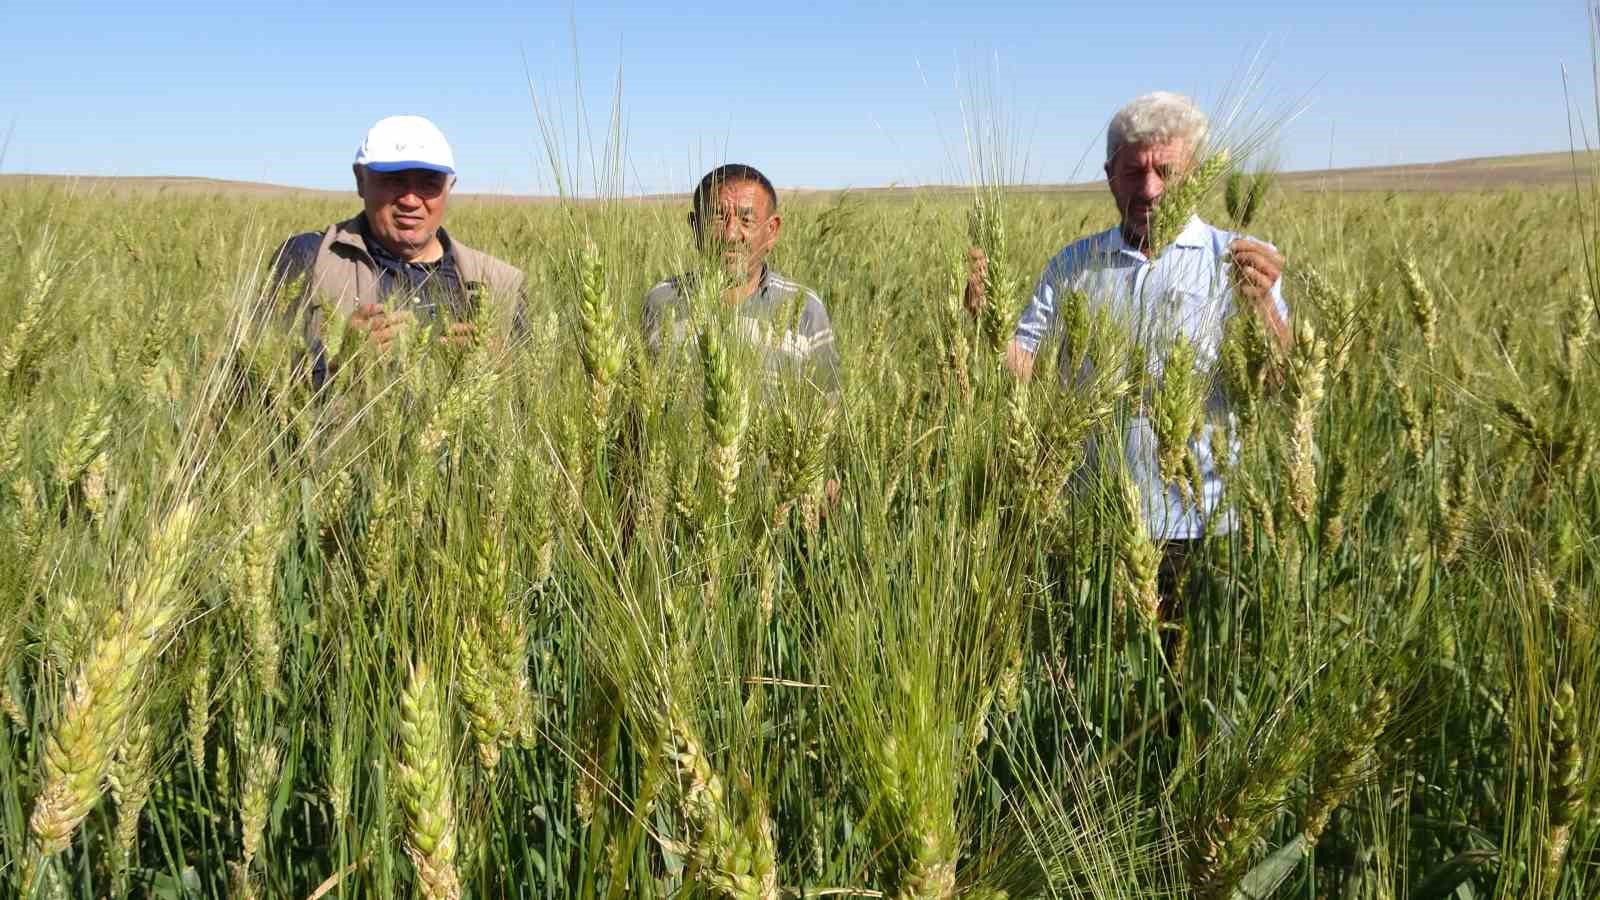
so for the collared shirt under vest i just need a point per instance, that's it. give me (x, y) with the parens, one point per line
(344, 267)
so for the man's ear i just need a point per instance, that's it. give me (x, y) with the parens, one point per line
(776, 224)
(361, 190)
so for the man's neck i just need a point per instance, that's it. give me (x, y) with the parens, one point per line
(431, 252)
(738, 293)
(1139, 242)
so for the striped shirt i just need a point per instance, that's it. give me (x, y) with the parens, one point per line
(1185, 289)
(784, 322)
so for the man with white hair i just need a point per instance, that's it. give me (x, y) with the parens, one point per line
(393, 264)
(1149, 144)
(1190, 286)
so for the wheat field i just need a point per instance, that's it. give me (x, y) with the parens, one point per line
(550, 617)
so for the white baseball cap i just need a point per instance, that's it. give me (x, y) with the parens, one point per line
(405, 142)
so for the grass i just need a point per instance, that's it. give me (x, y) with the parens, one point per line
(550, 618)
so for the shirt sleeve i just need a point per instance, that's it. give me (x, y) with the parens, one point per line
(519, 315)
(292, 263)
(656, 311)
(293, 260)
(1039, 316)
(282, 303)
(822, 354)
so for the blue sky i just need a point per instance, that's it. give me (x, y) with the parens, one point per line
(816, 93)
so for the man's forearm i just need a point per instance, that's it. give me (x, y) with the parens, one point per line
(1274, 323)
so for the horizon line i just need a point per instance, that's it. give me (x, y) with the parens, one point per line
(1542, 159)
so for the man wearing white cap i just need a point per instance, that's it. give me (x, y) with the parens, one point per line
(394, 263)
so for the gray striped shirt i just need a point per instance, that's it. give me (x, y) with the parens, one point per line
(784, 322)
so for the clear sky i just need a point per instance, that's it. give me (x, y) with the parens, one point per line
(817, 93)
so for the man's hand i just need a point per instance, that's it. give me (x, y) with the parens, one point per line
(377, 325)
(832, 493)
(460, 334)
(977, 274)
(1255, 269)
(1019, 360)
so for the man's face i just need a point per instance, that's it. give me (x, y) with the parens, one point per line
(404, 208)
(739, 226)
(1139, 175)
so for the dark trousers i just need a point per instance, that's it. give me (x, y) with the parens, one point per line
(1175, 586)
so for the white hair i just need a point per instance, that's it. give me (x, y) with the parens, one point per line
(1155, 118)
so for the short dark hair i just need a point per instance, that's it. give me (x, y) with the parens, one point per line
(729, 174)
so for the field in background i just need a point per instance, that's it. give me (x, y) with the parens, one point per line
(545, 617)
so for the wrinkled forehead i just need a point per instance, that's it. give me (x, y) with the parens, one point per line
(1154, 153)
(408, 176)
(740, 193)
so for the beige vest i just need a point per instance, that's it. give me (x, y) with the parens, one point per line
(345, 273)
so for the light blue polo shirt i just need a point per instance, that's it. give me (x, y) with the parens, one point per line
(1185, 289)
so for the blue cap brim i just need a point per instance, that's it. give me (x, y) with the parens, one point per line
(402, 165)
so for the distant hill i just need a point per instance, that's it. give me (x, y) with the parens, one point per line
(1489, 173)
(179, 184)
(1483, 173)
(1536, 170)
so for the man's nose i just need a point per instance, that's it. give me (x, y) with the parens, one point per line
(730, 231)
(1152, 187)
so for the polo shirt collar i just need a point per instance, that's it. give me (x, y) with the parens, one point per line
(1195, 235)
(765, 284)
(691, 279)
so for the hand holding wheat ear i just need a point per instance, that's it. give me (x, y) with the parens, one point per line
(977, 275)
(460, 334)
(1255, 268)
(379, 325)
